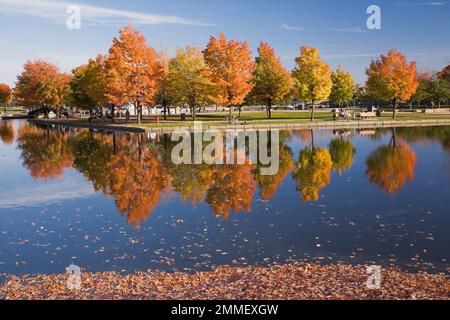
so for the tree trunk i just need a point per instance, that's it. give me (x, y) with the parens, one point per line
(269, 109)
(139, 113)
(165, 111)
(113, 109)
(194, 116)
(394, 106)
(312, 110)
(114, 143)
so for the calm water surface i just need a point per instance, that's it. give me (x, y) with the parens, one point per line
(116, 202)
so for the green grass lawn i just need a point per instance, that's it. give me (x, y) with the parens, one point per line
(260, 118)
(255, 116)
(13, 111)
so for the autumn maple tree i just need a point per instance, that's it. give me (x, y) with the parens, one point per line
(272, 82)
(232, 66)
(133, 71)
(312, 77)
(391, 78)
(189, 79)
(42, 84)
(89, 85)
(343, 87)
(5, 94)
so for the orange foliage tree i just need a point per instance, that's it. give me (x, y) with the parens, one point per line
(392, 78)
(232, 66)
(272, 82)
(5, 94)
(41, 84)
(133, 71)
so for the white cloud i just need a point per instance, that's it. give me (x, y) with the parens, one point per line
(291, 28)
(415, 4)
(56, 11)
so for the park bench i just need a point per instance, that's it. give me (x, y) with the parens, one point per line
(365, 115)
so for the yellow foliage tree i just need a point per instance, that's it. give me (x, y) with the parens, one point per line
(312, 77)
(189, 79)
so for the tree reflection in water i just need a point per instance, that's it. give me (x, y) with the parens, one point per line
(137, 170)
(390, 166)
(313, 171)
(45, 153)
(6, 132)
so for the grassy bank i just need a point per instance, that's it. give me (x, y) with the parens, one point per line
(282, 120)
(296, 281)
(260, 118)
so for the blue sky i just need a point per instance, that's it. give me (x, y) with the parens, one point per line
(37, 29)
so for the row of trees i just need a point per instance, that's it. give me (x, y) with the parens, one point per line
(224, 74)
(433, 88)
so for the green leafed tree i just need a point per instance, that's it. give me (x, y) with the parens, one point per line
(343, 87)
